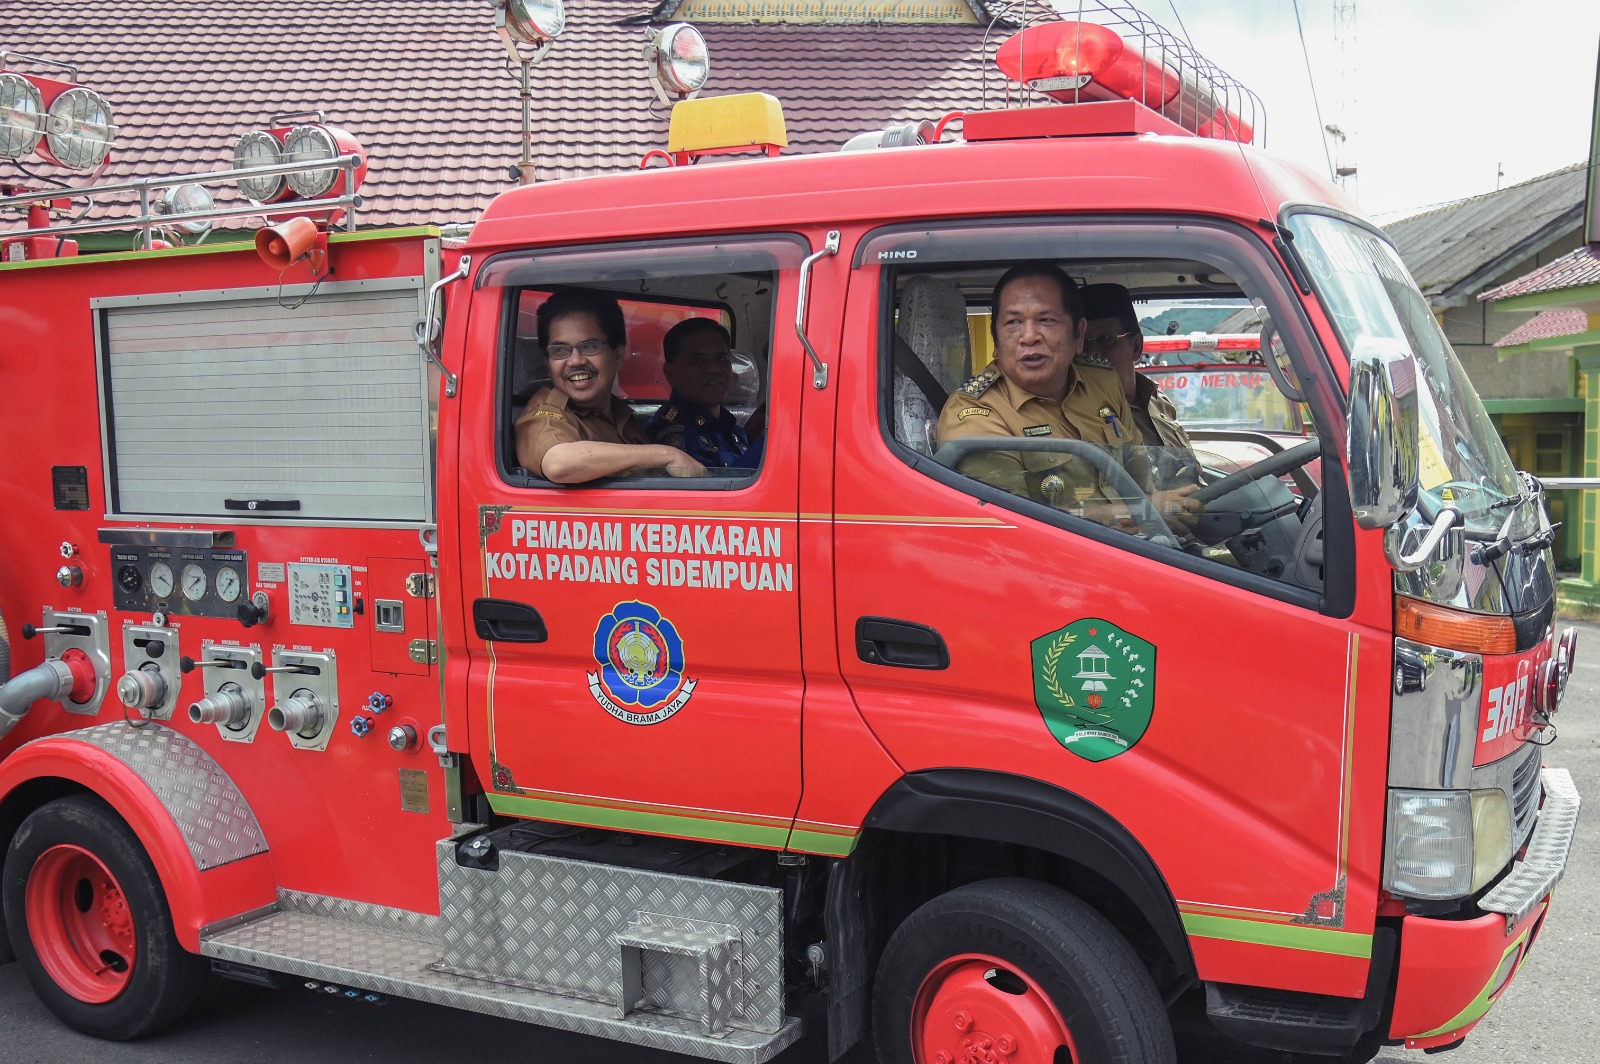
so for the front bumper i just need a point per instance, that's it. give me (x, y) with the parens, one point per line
(1453, 971)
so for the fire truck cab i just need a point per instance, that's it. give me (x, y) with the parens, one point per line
(318, 683)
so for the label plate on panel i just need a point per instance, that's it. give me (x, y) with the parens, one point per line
(321, 595)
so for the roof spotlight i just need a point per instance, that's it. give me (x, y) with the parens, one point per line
(186, 199)
(310, 144)
(21, 116)
(259, 148)
(679, 62)
(536, 22)
(78, 129)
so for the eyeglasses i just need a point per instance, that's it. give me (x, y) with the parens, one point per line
(562, 352)
(1105, 339)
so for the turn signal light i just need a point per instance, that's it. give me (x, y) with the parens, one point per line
(1441, 626)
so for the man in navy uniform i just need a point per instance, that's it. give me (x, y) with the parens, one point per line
(699, 366)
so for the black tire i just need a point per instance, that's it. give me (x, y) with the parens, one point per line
(1048, 946)
(163, 979)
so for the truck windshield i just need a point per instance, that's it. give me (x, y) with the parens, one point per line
(1374, 304)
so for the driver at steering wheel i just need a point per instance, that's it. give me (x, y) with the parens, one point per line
(1034, 389)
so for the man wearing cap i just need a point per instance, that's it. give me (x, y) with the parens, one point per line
(574, 430)
(698, 363)
(1113, 340)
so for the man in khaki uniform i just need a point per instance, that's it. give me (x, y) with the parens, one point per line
(1034, 389)
(573, 429)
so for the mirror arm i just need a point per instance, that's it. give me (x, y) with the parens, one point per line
(1448, 517)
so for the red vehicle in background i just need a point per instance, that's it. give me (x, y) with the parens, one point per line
(315, 684)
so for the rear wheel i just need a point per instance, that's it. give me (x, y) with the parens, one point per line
(90, 924)
(1010, 971)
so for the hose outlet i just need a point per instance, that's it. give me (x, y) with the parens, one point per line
(300, 713)
(53, 680)
(229, 707)
(84, 680)
(143, 688)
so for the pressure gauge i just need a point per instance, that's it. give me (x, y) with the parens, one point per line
(161, 580)
(194, 582)
(228, 584)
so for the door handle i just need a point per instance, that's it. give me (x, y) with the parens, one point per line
(886, 641)
(504, 621)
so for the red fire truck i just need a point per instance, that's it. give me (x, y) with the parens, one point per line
(309, 681)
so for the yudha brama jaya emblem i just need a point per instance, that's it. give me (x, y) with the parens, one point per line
(1095, 685)
(640, 655)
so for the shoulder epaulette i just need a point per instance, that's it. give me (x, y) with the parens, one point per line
(1093, 358)
(668, 413)
(978, 384)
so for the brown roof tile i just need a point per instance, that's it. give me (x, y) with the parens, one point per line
(1572, 270)
(1550, 324)
(430, 96)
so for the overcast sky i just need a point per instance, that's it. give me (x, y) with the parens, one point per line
(1441, 94)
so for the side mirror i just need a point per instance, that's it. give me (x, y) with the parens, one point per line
(1382, 432)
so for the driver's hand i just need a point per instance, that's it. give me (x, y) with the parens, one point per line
(1112, 514)
(1178, 508)
(684, 466)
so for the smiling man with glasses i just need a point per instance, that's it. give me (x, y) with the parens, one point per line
(573, 429)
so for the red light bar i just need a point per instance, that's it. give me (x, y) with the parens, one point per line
(1203, 342)
(1077, 62)
(1165, 343)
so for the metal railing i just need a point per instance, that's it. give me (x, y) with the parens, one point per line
(149, 219)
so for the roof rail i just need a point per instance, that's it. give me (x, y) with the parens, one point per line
(147, 218)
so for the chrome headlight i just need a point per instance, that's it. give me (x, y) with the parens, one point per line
(679, 59)
(535, 21)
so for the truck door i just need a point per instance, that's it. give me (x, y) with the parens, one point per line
(635, 657)
(1201, 691)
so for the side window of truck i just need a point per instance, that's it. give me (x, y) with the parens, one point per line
(1183, 428)
(694, 367)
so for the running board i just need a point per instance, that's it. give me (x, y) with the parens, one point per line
(334, 950)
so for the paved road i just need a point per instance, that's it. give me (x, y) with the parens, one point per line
(1551, 1014)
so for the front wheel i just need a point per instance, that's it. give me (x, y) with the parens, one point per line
(90, 924)
(1019, 972)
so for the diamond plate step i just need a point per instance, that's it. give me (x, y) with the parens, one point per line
(711, 961)
(337, 951)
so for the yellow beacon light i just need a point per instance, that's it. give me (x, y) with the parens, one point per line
(717, 124)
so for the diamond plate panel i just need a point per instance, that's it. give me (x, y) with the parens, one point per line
(363, 914)
(338, 952)
(552, 923)
(215, 820)
(681, 967)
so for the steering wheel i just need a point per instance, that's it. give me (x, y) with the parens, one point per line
(1271, 466)
(1139, 505)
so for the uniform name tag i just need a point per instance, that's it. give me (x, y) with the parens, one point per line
(1036, 430)
(549, 413)
(972, 411)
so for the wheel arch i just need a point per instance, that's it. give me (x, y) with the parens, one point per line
(1017, 816)
(61, 765)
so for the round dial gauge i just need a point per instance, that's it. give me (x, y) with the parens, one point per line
(161, 580)
(194, 582)
(228, 584)
(129, 580)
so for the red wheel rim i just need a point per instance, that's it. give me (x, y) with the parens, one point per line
(81, 926)
(977, 1009)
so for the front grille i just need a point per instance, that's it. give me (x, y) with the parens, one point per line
(1524, 796)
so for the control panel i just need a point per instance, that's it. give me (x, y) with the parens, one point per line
(180, 581)
(321, 595)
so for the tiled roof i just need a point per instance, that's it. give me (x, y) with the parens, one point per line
(1573, 270)
(1550, 324)
(1456, 248)
(431, 98)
